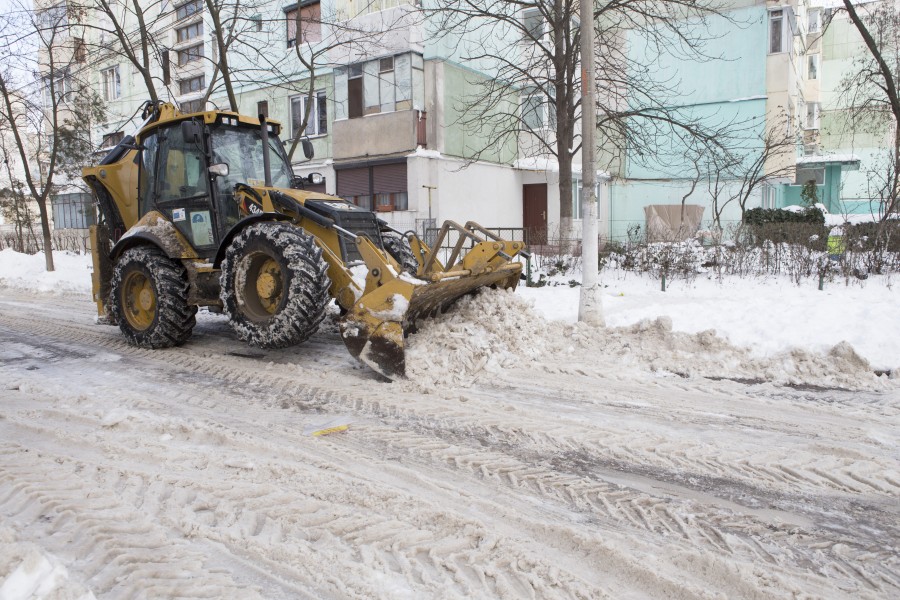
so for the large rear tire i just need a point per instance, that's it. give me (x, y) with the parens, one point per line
(274, 285)
(149, 299)
(399, 248)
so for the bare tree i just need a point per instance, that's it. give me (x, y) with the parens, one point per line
(768, 157)
(870, 97)
(531, 99)
(39, 87)
(128, 29)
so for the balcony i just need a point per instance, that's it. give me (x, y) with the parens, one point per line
(379, 134)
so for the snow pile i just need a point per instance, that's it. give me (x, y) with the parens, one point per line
(485, 333)
(498, 330)
(26, 573)
(28, 272)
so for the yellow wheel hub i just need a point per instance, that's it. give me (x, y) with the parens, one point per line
(139, 300)
(268, 285)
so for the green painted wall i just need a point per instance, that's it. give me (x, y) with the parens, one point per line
(464, 141)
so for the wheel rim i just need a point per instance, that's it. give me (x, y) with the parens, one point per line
(264, 288)
(139, 300)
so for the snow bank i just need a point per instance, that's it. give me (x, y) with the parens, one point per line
(26, 573)
(28, 272)
(499, 330)
(770, 316)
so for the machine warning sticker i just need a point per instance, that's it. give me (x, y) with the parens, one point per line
(178, 214)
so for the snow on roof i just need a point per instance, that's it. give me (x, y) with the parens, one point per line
(424, 153)
(828, 158)
(550, 165)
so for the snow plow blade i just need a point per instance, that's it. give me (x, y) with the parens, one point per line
(374, 331)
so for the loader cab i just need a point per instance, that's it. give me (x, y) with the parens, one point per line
(175, 176)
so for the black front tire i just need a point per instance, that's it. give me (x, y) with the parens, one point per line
(274, 285)
(398, 247)
(149, 299)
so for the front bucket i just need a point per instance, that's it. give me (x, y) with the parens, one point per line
(375, 329)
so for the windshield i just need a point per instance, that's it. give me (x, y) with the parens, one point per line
(241, 149)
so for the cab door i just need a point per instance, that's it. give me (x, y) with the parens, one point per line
(182, 188)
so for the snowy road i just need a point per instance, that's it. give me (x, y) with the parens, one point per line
(591, 473)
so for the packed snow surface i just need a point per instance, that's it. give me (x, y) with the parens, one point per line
(526, 456)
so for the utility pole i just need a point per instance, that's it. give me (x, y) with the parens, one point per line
(590, 305)
(429, 188)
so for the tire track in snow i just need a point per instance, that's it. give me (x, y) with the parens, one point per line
(436, 423)
(120, 552)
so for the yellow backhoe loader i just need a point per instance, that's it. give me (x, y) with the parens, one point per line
(203, 209)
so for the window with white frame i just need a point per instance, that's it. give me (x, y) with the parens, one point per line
(190, 8)
(189, 32)
(59, 87)
(190, 54)
(318, 115)
(814, 20)
(812, 66)
(776, 31)
(533, 22)
(111, 82)
(193, 84)
(381, 85)
(55, 18)
(537, 111)
(812, 115)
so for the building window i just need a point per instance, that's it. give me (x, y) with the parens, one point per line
(189, 32)
(112, 83)
(55, 18)
(812, 115)
(80, 51)
(192, 106)
(310, 14)
(194, 84)
(355, 92)
(812, 66)
(111, 140)
(381, 85)
(814, 20)
(59, 86)
(537, 112)
(776, 31)
(807, 174)
(533, 21)
(190, 54)
(318, 115)
(262, 108)
(186, 10)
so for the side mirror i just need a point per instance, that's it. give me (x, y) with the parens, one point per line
(191, 131)
(308, 151)
(219, 169)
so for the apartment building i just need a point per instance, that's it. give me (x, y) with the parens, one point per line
(385, 110)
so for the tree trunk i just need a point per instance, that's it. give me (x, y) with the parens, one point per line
(45, 232)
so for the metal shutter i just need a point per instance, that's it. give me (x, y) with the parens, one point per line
(353, 182)
(389, 178)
